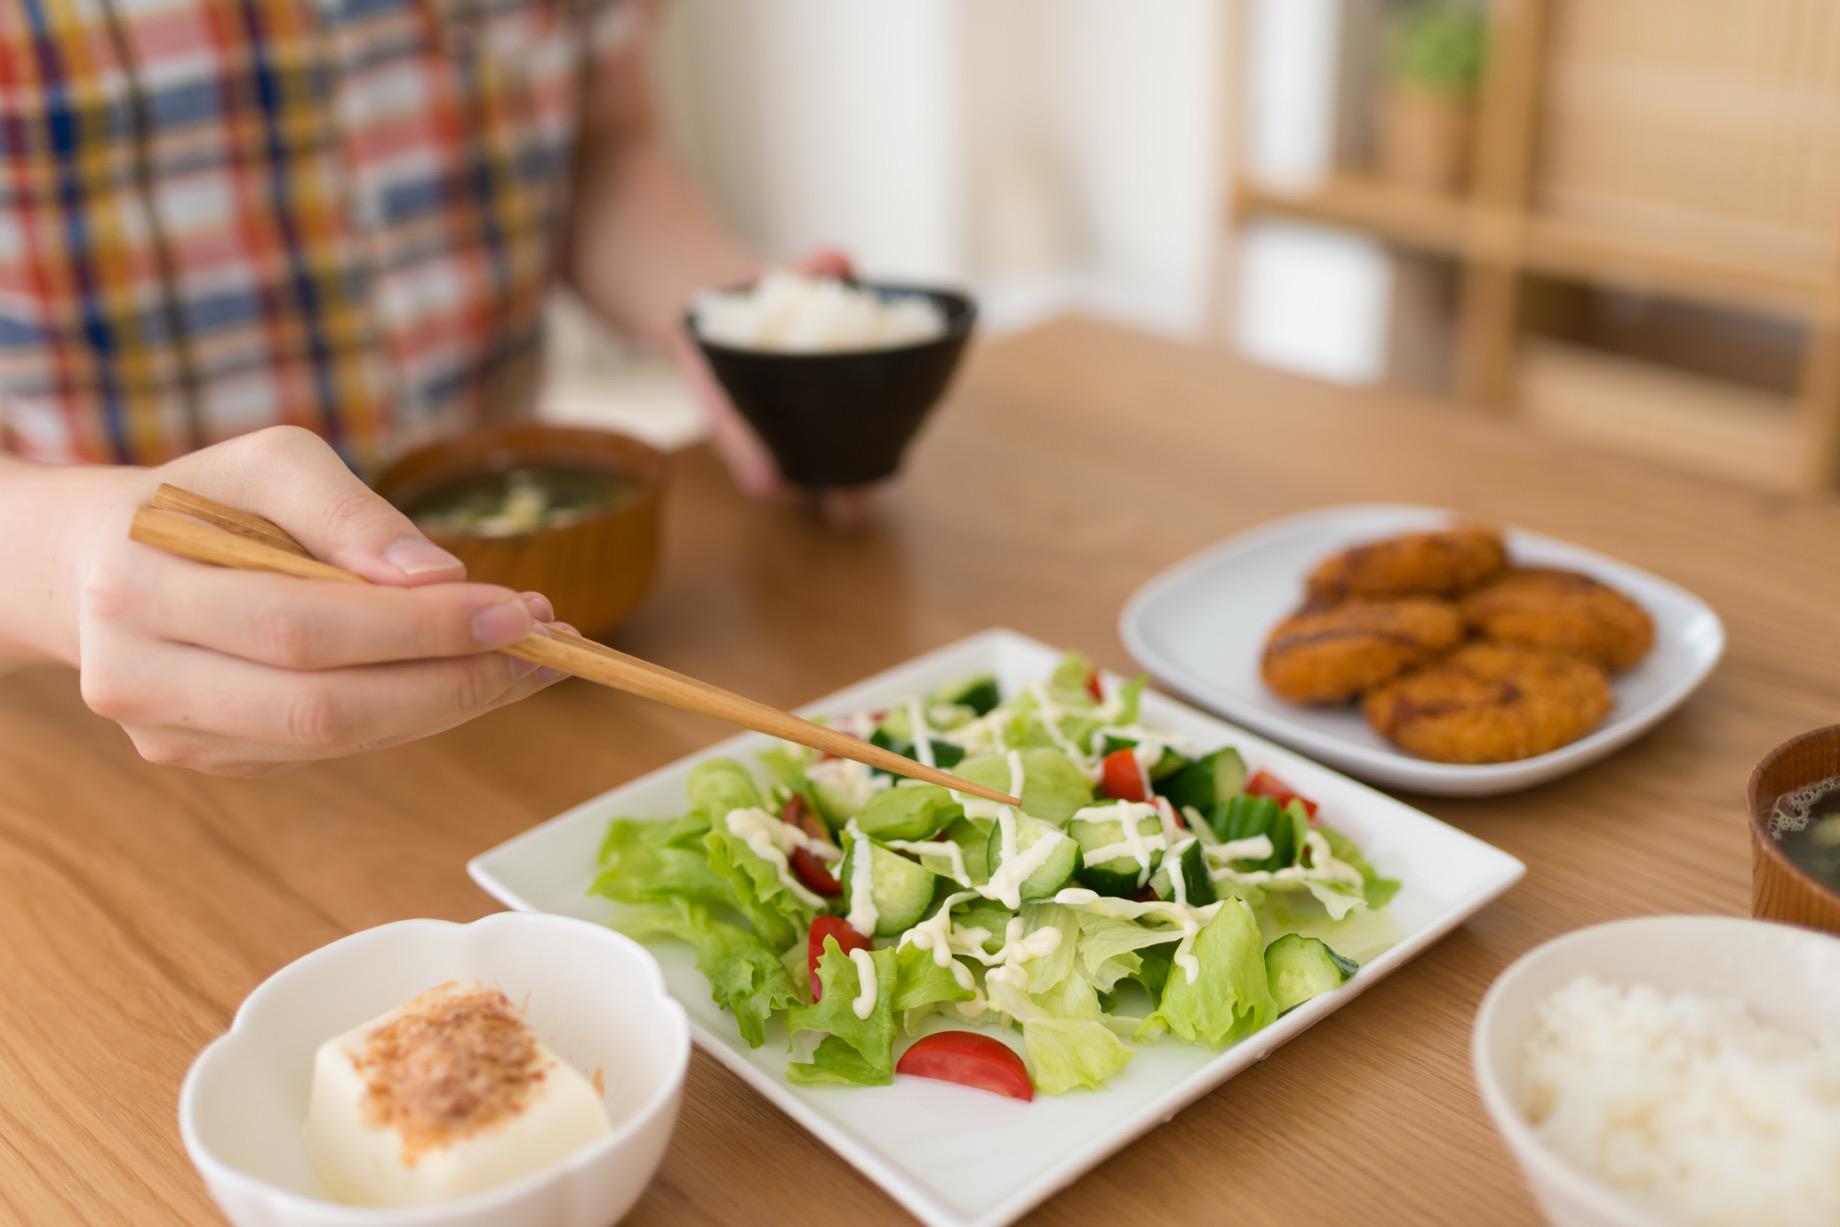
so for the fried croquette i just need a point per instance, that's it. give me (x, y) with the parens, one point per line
(1562, 611)
(1332, 655)
(1412, 564)
(1490, 703)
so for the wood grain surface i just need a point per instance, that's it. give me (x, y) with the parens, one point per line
(138, 904)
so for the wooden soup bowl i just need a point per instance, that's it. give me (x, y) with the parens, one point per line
(1779, 889)
(595, 570)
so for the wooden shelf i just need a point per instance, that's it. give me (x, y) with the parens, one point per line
(1603, 156)
(1645, 409)
(1462, 229)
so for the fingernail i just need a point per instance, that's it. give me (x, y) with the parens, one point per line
(539, 606)
(546, 675)
(419, 556)
(498, 625)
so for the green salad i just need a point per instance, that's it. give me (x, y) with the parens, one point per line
(1145, 889)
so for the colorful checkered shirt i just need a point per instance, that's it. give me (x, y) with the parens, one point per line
(217, 215)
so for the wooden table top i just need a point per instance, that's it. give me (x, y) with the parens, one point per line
(140, 904)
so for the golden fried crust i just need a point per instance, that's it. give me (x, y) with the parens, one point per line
(1491, 703)
(1331, 655)
(1429, 564)
(1562, 611)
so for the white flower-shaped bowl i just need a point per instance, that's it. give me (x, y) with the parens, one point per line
(1788, 977)
(593, 996)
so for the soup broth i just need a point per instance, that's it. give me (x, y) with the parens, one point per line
(523, 499)
(1806, 825)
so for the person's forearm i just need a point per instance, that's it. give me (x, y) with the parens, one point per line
(643, 241)
(49, 512)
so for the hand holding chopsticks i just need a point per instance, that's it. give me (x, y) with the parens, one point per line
(191, 526)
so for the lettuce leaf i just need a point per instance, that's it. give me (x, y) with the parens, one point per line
(835, 1061)
(1377, 891)
(719, 785)
(778, 915)
(1065, 1040)
(1109, 947)
(859, 1051)
(1130, 699)
(638, 867)
(1067, 684)
(1065, 1054)
(1229, 998)
(920, 982)
(622, 833)
(746, 978)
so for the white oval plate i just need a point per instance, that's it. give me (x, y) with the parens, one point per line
(1200, 626)
(960, 1158)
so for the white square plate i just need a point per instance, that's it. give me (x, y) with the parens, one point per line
(961, 1158)
(1200, 626)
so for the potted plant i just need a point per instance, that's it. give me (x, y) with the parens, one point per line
(1434, 54)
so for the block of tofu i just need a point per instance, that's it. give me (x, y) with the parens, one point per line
(448, 1095)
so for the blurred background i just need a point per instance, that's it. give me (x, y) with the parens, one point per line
(1618, 220)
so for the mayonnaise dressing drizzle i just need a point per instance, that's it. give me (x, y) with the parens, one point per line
(1323, 866)
(1188, 919)
(864, 1003)
(854, 783)
(1019, 949)
(770, 839)
(1050, 714)
(1014, 868)
(1134, 843)
(930, 850)
(863, 914)
(921, 733)
(937, 937)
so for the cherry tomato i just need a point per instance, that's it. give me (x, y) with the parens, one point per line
(1264, 784)
(806, 866)
(829, 926)
(1092, 685)
(968, 1059)
(1123, 778)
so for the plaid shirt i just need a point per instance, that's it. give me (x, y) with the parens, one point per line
(217, 215)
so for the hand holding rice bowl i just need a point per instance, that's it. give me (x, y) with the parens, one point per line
(1670, 1070)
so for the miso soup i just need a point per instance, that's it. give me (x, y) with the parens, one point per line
(524, 499)
(1806, 825)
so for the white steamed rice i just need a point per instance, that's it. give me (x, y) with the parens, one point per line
(794, 313)
(1691, 1106)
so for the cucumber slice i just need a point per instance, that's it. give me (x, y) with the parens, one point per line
(1164, 767)
(1122, 876)
(1054, 872)
(945, 754)
(1299, 968)
(1245, 817)
(1207, 782)
(902, 890)
(909, 811)
(973, 835)
(978, 692)
(1197, 884)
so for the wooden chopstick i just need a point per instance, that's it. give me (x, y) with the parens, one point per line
(209, 538)
(242, 523)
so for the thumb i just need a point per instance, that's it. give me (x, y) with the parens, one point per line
(301, 484)
(828, 262)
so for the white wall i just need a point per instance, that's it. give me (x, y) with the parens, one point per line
(818, 122)
(1071, 144)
